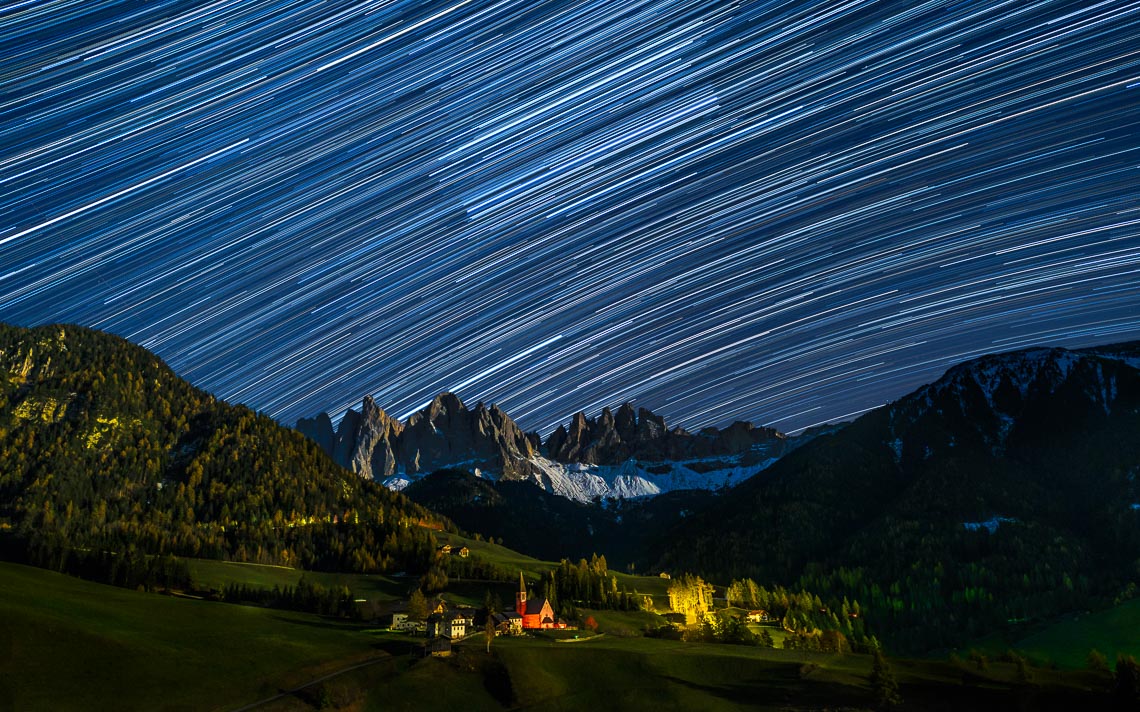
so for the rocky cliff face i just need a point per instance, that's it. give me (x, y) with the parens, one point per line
(612, 439)
(627, 454)
(445, 433)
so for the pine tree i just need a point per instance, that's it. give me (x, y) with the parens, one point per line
(884, 686)
(1127, 688)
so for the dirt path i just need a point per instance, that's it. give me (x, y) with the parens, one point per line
(310, 683)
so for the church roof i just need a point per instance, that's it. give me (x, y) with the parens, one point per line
(535, 605)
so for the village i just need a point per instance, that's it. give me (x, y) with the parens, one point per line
(441, 622)
(446, 623)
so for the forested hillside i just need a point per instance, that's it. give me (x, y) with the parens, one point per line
(104, 449)
(1003, 494)
(549, 526)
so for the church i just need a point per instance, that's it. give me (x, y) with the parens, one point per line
(536, 613)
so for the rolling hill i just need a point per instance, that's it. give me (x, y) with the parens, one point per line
(104, 449)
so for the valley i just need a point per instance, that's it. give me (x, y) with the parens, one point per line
(952, 529)
(72, 643)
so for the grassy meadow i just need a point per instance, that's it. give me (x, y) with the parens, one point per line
(606, 672)
(69, 644)
(1067, 642)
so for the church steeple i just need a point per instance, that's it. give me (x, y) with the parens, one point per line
(520, 597)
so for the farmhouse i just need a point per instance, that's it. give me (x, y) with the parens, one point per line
(507, 623)
(453, 625)
(758, 616)
(400, 622)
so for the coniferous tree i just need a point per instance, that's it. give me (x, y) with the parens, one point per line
(1126, 690)
(884, 686)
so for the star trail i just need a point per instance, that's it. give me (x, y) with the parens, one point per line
(786, 212)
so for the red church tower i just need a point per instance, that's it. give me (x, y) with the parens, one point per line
(520, 597)
(535, 614)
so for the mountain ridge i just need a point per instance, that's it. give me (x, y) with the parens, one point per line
(624, 453)
(1006, 490)
(630, 454)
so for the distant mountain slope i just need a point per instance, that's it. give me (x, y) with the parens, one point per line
(548, 526)
(103, 447)
(1006, 490)
(632, 454)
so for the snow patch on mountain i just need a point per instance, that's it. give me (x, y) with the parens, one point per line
(897, 448)
(397, 482)
(1132, 359)
(643, 479)
(990, 525)
(1047, 367)
(629, 480)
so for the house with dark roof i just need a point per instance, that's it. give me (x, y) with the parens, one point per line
(453, 625)
(507, 623)
(436, 647)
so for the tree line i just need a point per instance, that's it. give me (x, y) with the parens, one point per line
(307, 596)
(587, 584)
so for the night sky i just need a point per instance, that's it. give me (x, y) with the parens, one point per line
(782, 212)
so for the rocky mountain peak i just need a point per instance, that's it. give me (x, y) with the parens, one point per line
(363, 441)
(650, 426)
(319, 430)
(643, 435)
(443, 433)
(440, 412)
(626, 422)
(993, 402)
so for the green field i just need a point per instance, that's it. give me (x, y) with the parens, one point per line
(71, 644)
(605, 673)
(68, 644)
(623, 623)
(1067, 642)
(531, 567)
(214, 574)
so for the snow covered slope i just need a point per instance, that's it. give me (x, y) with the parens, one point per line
(587, 483)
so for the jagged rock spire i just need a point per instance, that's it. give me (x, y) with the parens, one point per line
(444, 433)
(643, 435)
